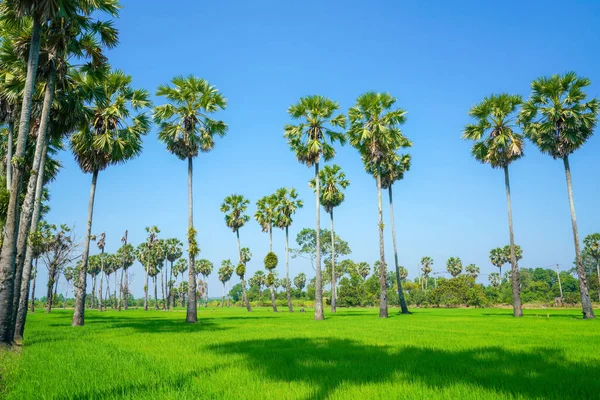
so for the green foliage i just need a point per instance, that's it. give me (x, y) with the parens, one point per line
(270, 281)
(193, 249)
(204, 267)
(300, 281)
(234, 206)
(458, 291)
(287, 203)
(332, 182)
(240, 270)
(271, 261)
(225, 271)
(454, 266)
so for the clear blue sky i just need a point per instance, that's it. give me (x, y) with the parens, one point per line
(438, 59)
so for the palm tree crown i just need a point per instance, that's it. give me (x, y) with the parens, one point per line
(333, 181)
(185, 125)
(557, 117)
(234, 206)
(497, 143)
(287, 203)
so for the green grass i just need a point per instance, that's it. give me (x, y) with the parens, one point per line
(232, 354)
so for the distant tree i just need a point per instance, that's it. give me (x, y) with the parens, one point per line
(246, 256)
(180, 266)
(258, 281)
(205, 268)
(363, 269)
(147, 257)
(225, 273)
(403, 273)
(174, 251)
(472, 270)
(454, 266)
(498, 144)
(270, 265)
(558, 120)
(287, 203)
(300, 281)
(311, 140)
(592, 249)
(498, 258)
(426, 263)
(59, 251)
(186, 126)
(266, 210)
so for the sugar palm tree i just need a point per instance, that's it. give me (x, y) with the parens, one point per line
(403, 273)
(363, 269)
(234, 207)
(179, 268)
(300, 281)
(174, 250)
(311, 140)
(126, 256)
(205, 268)
(146, 255)
(454, 266)
(265, 215)
(426, 268)
(112, 135)
(270, 265)
(246, 255)
(494, 279)
(426, 263)
(258, 280)
(498, 258)
(333, 182)
(375, 132)
(592, 248)
(498, 144)
(225, 273)
(287, 204)
(392, 170)
(186, 127)
(559, 119)
(472, 270)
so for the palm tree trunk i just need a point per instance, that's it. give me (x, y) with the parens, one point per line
(155, 293)
(162, 287)
(121, 291)
(7, 259)
(49, 287)
(171, 294)
(192, 312)
(383, 310)
(288, 288)
(78, 315)
(586, 302)
(9, 150)
(27, 264)
(318, 278)
(598, 274)
(403, 306)
(93, 301)
(100, 302)
(333, 277)
(32, 294)
(28, 204)
(229, 293)
(245, 296)
(270, 238)
(206, 293)
(126, 294)
(516, 288)
(273, 302)
(223, 299)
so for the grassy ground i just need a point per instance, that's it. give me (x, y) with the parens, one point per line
(233, 354)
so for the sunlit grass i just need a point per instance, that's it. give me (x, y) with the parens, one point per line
(233, 354)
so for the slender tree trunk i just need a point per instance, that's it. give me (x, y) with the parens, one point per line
(273, 302)
(49, 288)
(27, 264)
(516, 288)
(192, 312)
(121, 291)
(107, 298)
(100, 302)
(223, 299)
(146, 287)
(93, 301)
(258, 296)
(333, 277)
(229, 293)
(586, 302)
(114, 302)
(28, 204)
(78, 315)
(598, 274)
(559, 284)
(66, 295)
(162, 287)
(126, 300)
(7, 258)
(383, 309)
(171, 297)
(9, 150)
(245, 296)
(155, 293)
(288, 284)
(318, 279)
(270, 238)
(206, 292)
(403, 305)
(32, 292)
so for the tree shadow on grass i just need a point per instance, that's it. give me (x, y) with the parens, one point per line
(326, 364)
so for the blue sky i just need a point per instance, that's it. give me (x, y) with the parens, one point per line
(438, 59)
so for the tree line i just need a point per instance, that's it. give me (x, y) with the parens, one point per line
(58, 89)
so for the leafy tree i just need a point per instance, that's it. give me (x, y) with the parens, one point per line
(403, 272)
(287, 203)
(205, 268)
(498, 258)
(300, 281)
(311, 140)
(498, 144)
(112, 135)
(558, 120)
(426, 263)
(472, 270)
(146, 254)
(186, 127)
(225, 273)
(375, 132)
(258, 281)
(333, 182)
(454, 266)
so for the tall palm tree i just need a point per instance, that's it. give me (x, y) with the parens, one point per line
(174, 250)
(426, 271)
(454, 266)
(392, 170)
(146, 255)
(333, 182)
(241, 272)
(558, 120)
(186, 127)
(498, 258)
(265, 215)
(270, 264)
(205, 268)
(375, 132)
(472, 270)
(311, 140)
(101, 243)
(592, 248)
(225, 273)
(112, 135)
(234, 207)
(287, 204)
(426, 263)
(498, 144)
(258, 280)
(126, 256)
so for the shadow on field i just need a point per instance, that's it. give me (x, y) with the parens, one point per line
(328, 363)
